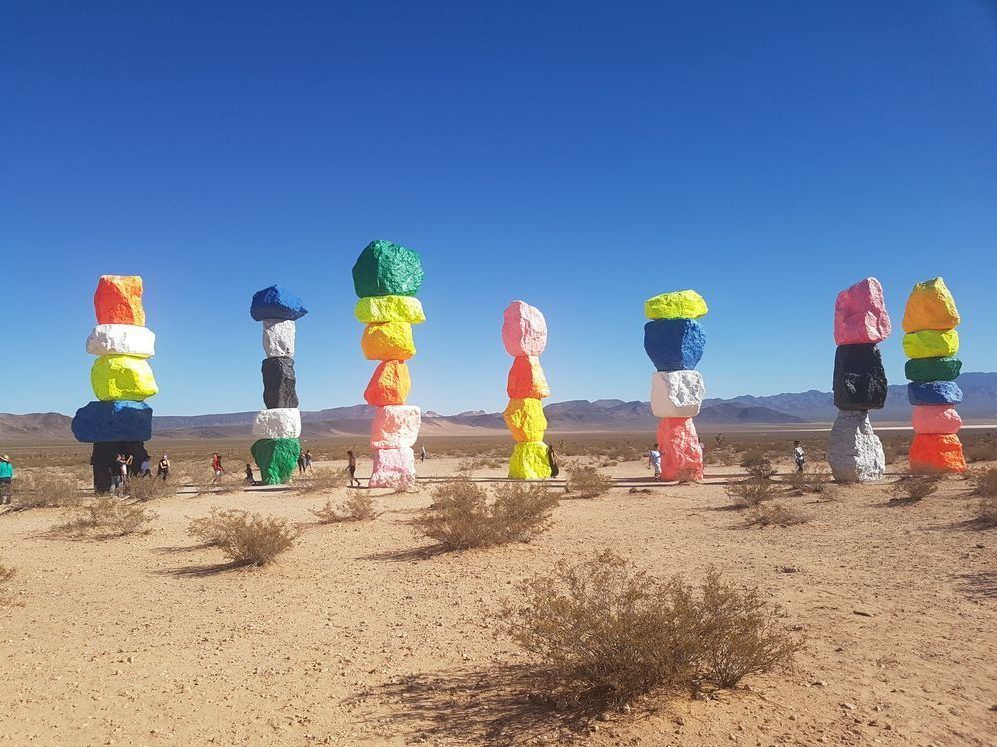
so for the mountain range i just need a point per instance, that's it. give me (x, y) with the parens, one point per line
(980, 390)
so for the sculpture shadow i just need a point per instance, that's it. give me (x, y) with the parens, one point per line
(204, 570)
(407, 554)
(977, 585)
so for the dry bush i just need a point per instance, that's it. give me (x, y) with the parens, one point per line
(751, 492)
(913, 488)
(245, 538)
(985, 481)
(358, 507)
(7, 574)
(105, 516)
(986, 511)
(322, 481)
(814, 479)
(757, 464)
(481, 462)
(145, 489)
(46, 490)
(982, 449)
(774, 514)
(728, 456)
(461, 516)
(607, 632)
(587, 482)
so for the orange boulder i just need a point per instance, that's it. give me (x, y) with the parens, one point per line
(118, 300)
(389, 385)
(527, 379)
(936, 452)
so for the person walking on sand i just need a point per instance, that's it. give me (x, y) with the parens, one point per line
(250, 480)
(6, 480)
(216, 466)
(163, 470)
(422, 453)
(308, 461)
(351, 467)
(654, 460)
(799, 456)
(552, 461)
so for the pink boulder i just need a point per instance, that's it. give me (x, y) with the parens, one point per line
(395, 426)
(393, 468)
(681, 452)
(860, 314)
(524, 329)
(936, 419)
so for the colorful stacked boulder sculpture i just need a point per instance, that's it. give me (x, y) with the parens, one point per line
(861, 322)
(674, 341)
(524, 334)
(387, 277)
(931, 343)
(119, 421)
(278, 427)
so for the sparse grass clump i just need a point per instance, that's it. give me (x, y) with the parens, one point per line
(145, 489)
(914, 488)
(322, 481)
(461, 516)
(587, 482)
(103, 517)
(358, 507)
(605, 632)
(774, 514)
(246, 539)
(46, 490)
(985, 481)
(986, 511)
(757, 464)
(7, 574)
(728, 456)
(814, 479)
(751, 492)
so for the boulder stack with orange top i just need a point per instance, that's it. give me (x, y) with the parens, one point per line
(524, 334)
(387, 277)
(931, 343)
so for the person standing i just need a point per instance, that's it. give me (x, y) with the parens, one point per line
(552, 461)
(250, 479)
(799, 456)
(216, 466)
(163, 470)
(6, 480)
(301, 463)
(654, 460)
(146, 469)
(422, 453)
(351, 467)
(308, 461)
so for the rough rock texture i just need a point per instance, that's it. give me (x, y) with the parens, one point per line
(529, 461)
(387, 269)
(390, 384)
(527, 379)
(279, 390)
(277, 459)
(525, 419)
(934, 393)
(677, 394)
(278, 423)
(122, 377)
(524, 329)
(118, 420)
(860, 314)
(103, 455)
(931, 343)
(933, 369)
(930, 306)
(936, 419)
(681, 451)
(674, 344)
(854, 451)
(859, 377)
(393, 468)
(395, 427)
(276, 303)
(936, 453)
(122, 339)
(388, 341)
(390, 309)
(278, 338)
(686, 304)
(118, 300)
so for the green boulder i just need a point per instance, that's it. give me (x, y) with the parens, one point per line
(387, 269)
(277, 459)
(933, 369)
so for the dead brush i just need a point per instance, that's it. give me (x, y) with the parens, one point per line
(46, 490)
(322, 482)
(757, 464)
(144, 489)
(246, 539)
(358, 507)
(604, 632)
(587, 482)
(724, 455)
(913, 488)
(751, 492)
(103, 517)
(774, 514)
(815, 479)
(985, 482)
(7, 574)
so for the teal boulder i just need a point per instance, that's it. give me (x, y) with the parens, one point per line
(933, 369)
(387, 269)
(277, 459)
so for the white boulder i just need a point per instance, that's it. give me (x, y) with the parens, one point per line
(677, 394)
(122, 339)
(854, 451)
(393, 468)
(278, 338)
(278, 422)
(395, 426)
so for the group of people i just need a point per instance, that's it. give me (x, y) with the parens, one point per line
(654, 458)
(122, 469)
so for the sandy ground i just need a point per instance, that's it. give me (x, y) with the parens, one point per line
(356, 637)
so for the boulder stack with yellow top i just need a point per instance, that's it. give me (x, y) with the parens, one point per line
(931, 343)
(118, 421)
(387, 277)
(524, 334)
(674, 342)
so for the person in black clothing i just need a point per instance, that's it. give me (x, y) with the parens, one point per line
(552, 461)
(250, 480)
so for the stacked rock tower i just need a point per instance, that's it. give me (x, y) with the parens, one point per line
(674, 341)
(861, 322)
(524, 334)
(387, 277)
(931, 343)
(278, 426)
(119, 421)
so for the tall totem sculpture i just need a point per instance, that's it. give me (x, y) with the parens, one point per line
(119, 421)
(524, 334)
(386, 278)
(278, 426)
(931, 342)
(674, 341)
(861, 322)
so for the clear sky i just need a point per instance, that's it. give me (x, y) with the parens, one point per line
(581, 156)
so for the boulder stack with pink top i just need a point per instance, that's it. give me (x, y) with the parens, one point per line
(524, 334)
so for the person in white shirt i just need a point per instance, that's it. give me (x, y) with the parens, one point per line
(654, 459)
(799, 456)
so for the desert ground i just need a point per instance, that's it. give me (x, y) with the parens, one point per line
(361, 634)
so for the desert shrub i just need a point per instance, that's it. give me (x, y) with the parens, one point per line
(913, 488)
(751, 492)
(986, 511)
(774, 514)
(322, 481)
(461, 516)
(757, 464)
(728, 456)
(480, 462)
(213, 528)
(245, 538)
(105, 516)
(607, 632)
(983, 449)
(46, 490)
(587, 482)
(985, 481)
(145, 489)
(358, 507)
(7, 574)
(814, 479)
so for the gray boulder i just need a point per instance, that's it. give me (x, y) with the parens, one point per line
(854, 451)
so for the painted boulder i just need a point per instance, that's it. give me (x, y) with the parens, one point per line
(934, 453)
(859, 377)
(860, 314)
(395, 427)
(681, 451)
(118, 420)
(277, 423)
(279, 383)
(524, 329)
(393, 468)
(390, 384)
(933, 369)
(674, 344)
(686, 304)
(529, 461)
(388, 341)
(122, 377)
(278, 338)
(525, 419)
(854, 451)
(374, 309)
(936, 419)
(930, 306)
(277, 459)
(122, 339)
(276, 303)
(118, 300)
(934, 393)
(677, 394)
(387, 269)
(527, 379)
(931, 343)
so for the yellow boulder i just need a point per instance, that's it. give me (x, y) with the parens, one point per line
(529, 461)
(388, 341)
(931, 343)
(930, 306)
(374, 309)
(526, 419)
(685, 304)
(122, 377)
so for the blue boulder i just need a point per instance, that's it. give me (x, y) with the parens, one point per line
(276, 303)
(674, 344)
(934, 393)
(116, 420)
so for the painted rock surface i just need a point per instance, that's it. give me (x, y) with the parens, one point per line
(388, 341)
(393, 468)
(390, 384)
(677, 394)
(278, 423)
(854, 451)
(279, 383)
(934, 393)
(387, 269)
(122, 377)
(118, 420)
(524, 329)
(122, 339)
(375, 309)
(674, 344)
(685, 304)
(276, 303)
(936, 453)
(930, 306)
(525, 419)
(681, 451)
(933, 369)
(278, 338)
(936, 419)
(277, 459)
(931, 343)
(529, 461)
(118, 300)
(527, 379)
(860, 314)
(859, 377)
(395, 427)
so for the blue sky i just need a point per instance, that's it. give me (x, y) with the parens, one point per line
(581, 156)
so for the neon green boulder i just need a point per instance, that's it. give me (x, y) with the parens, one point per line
(529, 461)
(685, 304)
(374, 309)
(122, 377)
(931, 343)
